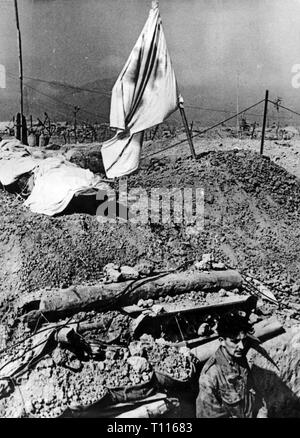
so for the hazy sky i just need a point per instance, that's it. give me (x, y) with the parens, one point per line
(211, 43)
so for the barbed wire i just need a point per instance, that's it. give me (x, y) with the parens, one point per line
(203, 131)
(284, 107)
(60, 101)
(218, 110)
(74, 87)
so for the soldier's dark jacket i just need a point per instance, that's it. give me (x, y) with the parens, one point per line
(227, 389)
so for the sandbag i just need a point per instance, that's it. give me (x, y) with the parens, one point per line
(169, 383)
(134, 392)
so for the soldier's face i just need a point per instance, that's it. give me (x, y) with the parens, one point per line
(235, 347)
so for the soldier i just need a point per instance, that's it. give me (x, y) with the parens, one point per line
(226, 386)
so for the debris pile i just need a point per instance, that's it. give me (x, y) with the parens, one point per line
(61, 380)
(170, 360)
(250, 221)
(49, 389)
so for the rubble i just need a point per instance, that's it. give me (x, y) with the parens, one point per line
(251, 222)
(129, 273)
(73, 249)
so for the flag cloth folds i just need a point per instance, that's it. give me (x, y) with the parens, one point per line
(144, 95)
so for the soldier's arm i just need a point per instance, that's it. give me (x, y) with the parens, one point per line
(208, 404)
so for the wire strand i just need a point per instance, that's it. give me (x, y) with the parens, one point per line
(202, 132)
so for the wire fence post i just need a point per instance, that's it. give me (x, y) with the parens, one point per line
(264, 123)
(186, 126)
(76, 109)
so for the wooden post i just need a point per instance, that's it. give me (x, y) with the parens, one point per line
(22, 134)
(18, 127)
(264, 123)
(237, 105)
(76, 109)
(155, 132)
(24, 130)
(186, 126)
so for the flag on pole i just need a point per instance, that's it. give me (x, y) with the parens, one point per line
(144, 95)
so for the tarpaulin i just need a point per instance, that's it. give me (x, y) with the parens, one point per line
(15, 161)
(144, 95)
(56, 181)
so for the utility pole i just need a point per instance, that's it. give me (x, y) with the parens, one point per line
(237, 103)
(23, 127)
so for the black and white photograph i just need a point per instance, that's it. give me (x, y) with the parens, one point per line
(149, 211)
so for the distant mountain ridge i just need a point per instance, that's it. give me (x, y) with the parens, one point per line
(58, 99)
(203, 104)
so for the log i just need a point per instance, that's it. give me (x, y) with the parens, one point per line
(264, 330)
(114, 295)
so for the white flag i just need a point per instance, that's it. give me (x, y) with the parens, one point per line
(144, 95)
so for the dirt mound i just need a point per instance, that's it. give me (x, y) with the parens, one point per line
(251, 208)
(251, 219)
(251, 222)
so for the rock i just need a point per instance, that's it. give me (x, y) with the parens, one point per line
(57, 412)
(144, 268)
(112, 272)
(101, 366)
(207, 258)
(201, 266)
(141, 303)
(205, 263)
(145, 377)
(28, 406)
(203, 329)
(58, 356)
(111, 266)
(253, 318)
(129, 273)
(150, 302)
(139, 364)
(157, 308)
(218, 266)
(136, 348)
(110, 354)
(295, 288)
(75, 364)
(222, 293)
(114, 276)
